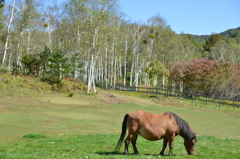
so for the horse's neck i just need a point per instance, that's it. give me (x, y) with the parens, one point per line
(186, 134)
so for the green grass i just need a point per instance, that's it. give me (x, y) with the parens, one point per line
(103, 146)
(88, 126)
(30, 86)
(34, 136)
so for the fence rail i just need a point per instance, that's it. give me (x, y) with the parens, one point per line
(170, 93)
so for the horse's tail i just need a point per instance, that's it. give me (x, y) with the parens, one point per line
(124, 129)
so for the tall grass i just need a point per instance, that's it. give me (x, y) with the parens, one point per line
(29, 86)
(22, 85)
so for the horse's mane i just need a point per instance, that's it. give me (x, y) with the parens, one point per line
(185, 130)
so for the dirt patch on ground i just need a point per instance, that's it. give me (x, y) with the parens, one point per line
(110, 98)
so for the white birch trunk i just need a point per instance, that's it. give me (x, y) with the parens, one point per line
(115, 72)
(163, 82)
(181, 86)
(137, 40)
(5, 51)
(91, 75)
(28, 42)
(112, 64)
(155, 81)
(136, 72)
(131, 74)
(91, 79)
(106, 65)
(120, 69)
(125, 63)
(19, 55)
(9, 60)
(8, 32)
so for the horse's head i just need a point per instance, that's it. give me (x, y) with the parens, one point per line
(190, 144)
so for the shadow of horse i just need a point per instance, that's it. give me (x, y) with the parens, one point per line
(108, 153)
(117, 153)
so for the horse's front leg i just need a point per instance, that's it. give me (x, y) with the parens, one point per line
(165, 141)
(171, 139)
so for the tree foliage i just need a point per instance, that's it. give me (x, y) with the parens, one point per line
(211, 41)
(58, 67)
(156, 69)
(31, 62)
(206, 77)
(2, 4)
(44, 59)
(90, 41)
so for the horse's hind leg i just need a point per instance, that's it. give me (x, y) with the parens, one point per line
(127, 141)
(165, 141)
(134, 141)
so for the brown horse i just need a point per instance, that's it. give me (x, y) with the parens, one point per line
(155, 127)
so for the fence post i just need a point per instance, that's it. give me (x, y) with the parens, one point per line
(192, 98)
(206, 100)
(233, 104)
(219, 103)
(156, 92)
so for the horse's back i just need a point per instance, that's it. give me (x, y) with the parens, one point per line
(150, 126)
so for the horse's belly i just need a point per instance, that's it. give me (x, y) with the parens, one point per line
(150, 134)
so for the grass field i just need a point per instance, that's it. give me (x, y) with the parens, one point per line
(54, 125)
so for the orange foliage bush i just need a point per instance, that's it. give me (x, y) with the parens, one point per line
(207, 77)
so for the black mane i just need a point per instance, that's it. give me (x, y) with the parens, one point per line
(185, 130)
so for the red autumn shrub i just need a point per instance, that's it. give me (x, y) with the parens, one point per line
(206, 77)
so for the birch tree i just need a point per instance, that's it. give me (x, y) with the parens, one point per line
(2, 4)
(13, 11)
(155, 42)
(136, 35)
(25, 23)
(50, 21)
(219, 51)
(234, 53)
(125, 29)
(99, 16)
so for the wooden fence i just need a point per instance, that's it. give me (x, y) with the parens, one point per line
(153, 92)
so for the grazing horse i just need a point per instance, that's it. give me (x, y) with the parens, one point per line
(155, 127)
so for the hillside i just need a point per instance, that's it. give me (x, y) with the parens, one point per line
(227, 33)
(38, 122)
(230, 32)
(88, 126)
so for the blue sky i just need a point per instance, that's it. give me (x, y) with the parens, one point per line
(198, 17)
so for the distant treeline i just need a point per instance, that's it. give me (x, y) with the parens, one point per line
(233, 33)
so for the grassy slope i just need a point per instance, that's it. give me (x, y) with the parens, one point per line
(88, 126)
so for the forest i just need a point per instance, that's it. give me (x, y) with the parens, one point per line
(90, 41)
